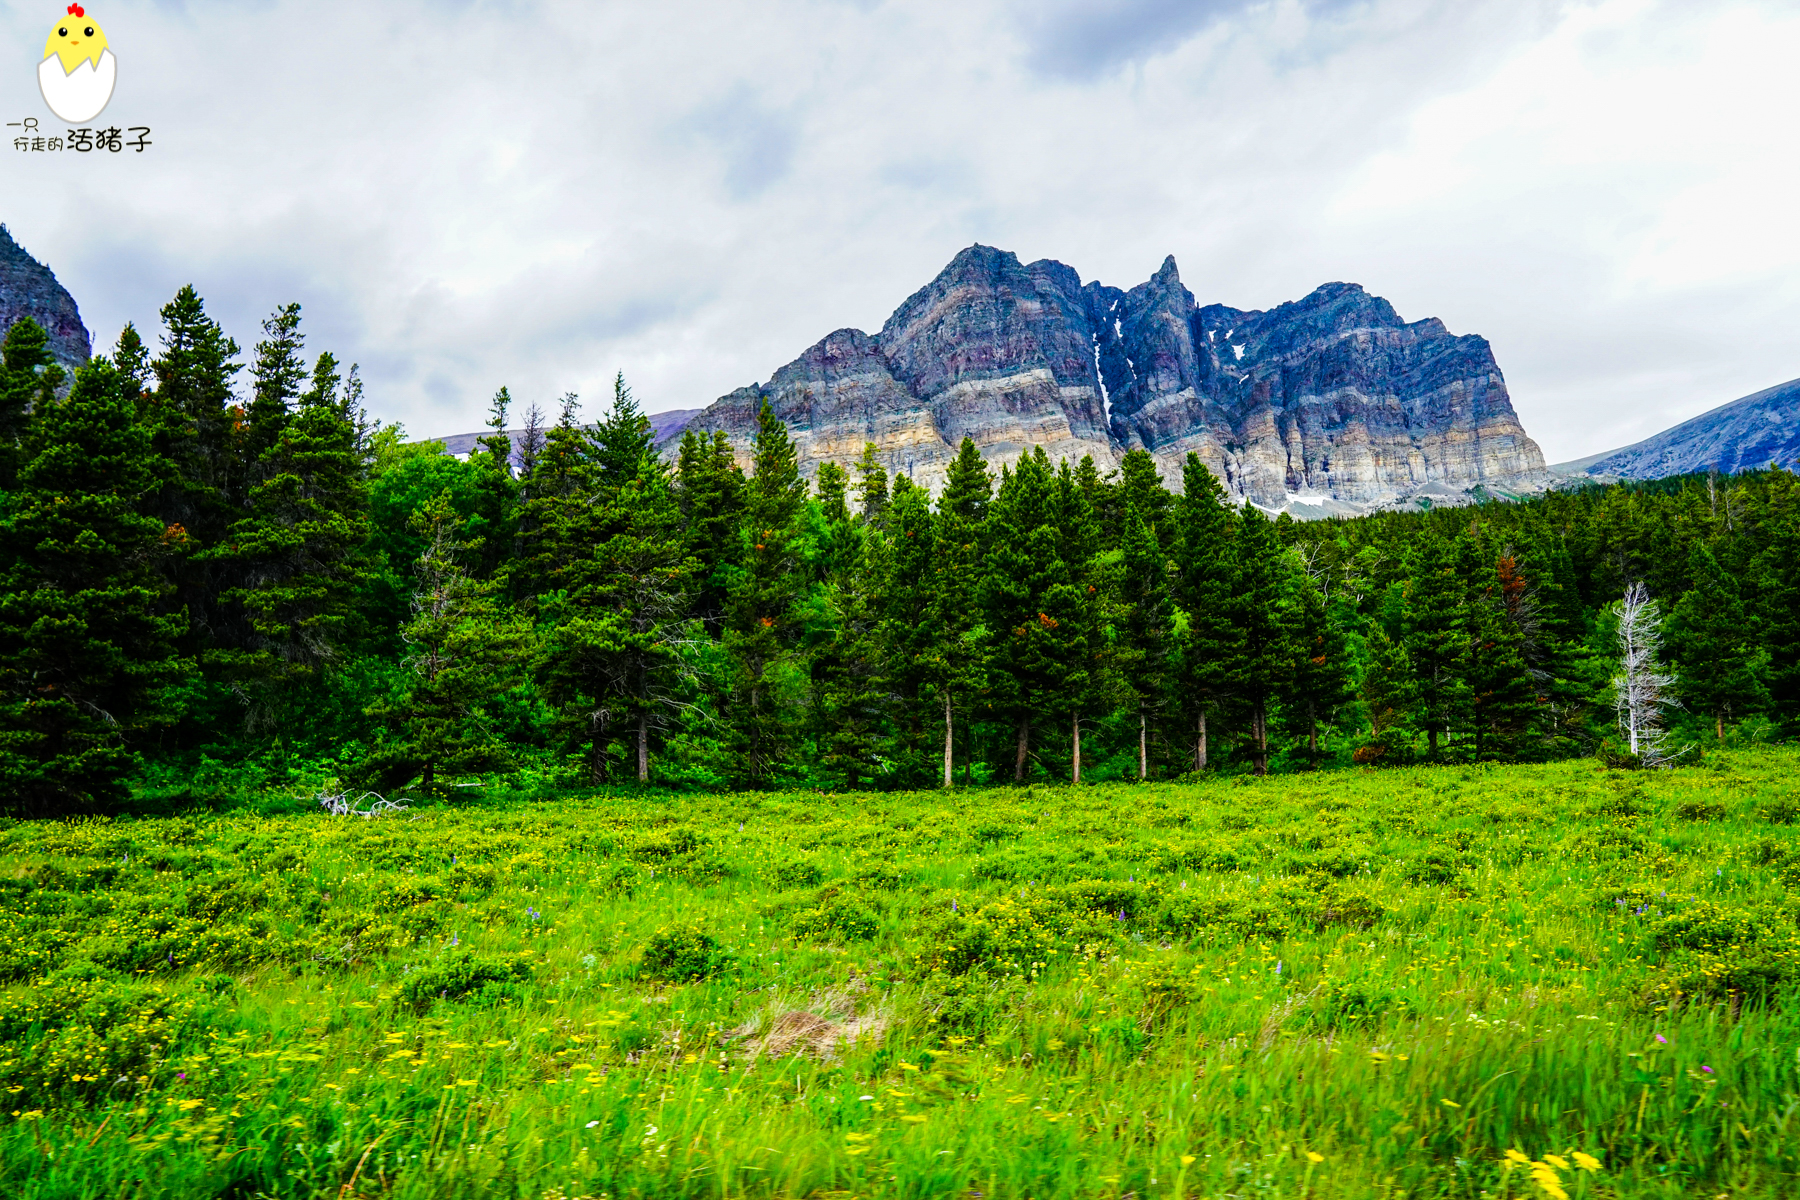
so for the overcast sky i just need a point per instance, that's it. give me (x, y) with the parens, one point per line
(465, 194)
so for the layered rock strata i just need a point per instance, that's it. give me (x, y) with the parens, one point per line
(29, 289)
(1329, 400)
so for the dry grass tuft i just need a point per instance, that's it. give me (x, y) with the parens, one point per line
(809, 1034)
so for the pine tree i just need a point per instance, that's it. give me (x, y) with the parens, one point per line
(842, 540)
(131, 359)
(1208, 641)
(711, 490)
(901, 573)
(759, 627)
(1146, 631)
(872, 487)
(1321, 681)
(557, 525)
(623, 441)
(85, 651)
(1039, 653)
(194, 420)
(1087, 678)
(296, 557)
(276, 373)
(29, 380)
(833, 487)
(1389, 689)
(1436, 639)
(495, 520)
(1713, 646)
(957, 636)
(1571, 677)
(1501, 625)
(464, 651)
(1778, 609)
(1261, 599)
(612, 654)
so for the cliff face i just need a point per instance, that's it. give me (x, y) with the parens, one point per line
(28, 289)
(1331, 399)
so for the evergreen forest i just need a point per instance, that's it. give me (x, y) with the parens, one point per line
(217, 566)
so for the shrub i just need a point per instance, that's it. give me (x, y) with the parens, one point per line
(880, 876)
(669, 843)
(1699, 810)
(463, 974)
(1704, 925)
(1437, 866)
(1751, 981)
(1780, 812)
(840, 919)
(798, 873)
(1346, 1002)
(683, 954)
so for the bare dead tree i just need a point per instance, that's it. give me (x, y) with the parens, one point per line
(1640, 689)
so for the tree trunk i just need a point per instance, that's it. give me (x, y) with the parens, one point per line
(1312, 733)
(427, 777)
(1143, 748)
(1431, 742)
(1076, 756)
(1024, 748)
(949, 744)
(1259, 733)
(1200, 746)
(1719, 722)
(643, 741)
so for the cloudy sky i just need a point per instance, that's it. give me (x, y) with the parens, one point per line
(475, 192)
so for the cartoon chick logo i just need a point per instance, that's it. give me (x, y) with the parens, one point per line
(78, 71)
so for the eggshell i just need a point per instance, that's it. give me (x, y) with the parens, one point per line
(79, 96)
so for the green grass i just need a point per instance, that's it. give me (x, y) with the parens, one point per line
(1345, 985)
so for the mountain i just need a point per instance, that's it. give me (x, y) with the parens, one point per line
(28, 289)
(663, 426)
(1327, 404)
(1755, 431)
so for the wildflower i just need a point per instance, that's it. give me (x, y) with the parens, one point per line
(1546, 1178)
(591, 1124)
(1662, 1039)
(1514, 1158)
(1449, 1103)
(1561, 1164)
(1706, 1068)
(1586, 1162)
(1314, 1156)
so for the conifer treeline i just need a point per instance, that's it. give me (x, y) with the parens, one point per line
(195, 567)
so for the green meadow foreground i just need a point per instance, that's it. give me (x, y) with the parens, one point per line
(1512, 981)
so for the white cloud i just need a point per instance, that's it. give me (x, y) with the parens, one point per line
(539, 193)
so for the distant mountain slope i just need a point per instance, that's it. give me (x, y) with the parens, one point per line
(29, 289)
(1327, 404)
(1753, 432)
(663, 426)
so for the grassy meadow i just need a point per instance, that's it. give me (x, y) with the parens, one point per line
(1554, 980)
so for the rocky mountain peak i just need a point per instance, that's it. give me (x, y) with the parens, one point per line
(29, 289)
(1330, 400)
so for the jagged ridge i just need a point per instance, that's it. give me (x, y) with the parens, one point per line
(1331, 398)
